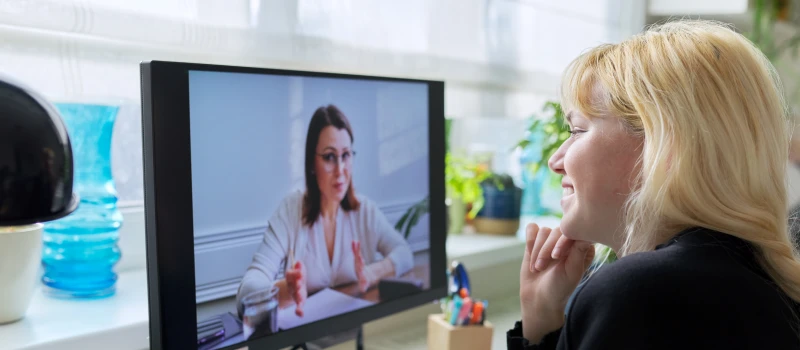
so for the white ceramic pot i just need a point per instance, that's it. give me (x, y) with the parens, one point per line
(20, 258)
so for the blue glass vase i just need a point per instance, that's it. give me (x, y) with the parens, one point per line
(80, 250)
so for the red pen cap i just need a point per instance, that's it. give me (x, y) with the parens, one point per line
(463, 293)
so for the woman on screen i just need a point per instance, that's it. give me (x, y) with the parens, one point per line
(327, 235)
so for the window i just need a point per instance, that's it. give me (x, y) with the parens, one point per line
(494, 54)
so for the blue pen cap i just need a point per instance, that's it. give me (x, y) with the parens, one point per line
(458, 278)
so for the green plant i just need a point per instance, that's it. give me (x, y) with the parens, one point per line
(448, 125)
(548, 131)
(500, 180)
(463, 179)
(605, 254)
(554, 129)
(551, 130)
(412, 216)
(766, 15)
(463, 176)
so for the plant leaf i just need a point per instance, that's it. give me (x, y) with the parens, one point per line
(413, 222)
(402, 221)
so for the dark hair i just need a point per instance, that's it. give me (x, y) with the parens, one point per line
(323, 117)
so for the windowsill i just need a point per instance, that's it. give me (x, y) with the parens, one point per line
(117, 322)
(121, 321)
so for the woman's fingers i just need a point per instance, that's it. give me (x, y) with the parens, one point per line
(299, 308)
(292, 276)
(296, 270)
(541, 237)
(359, 261)
(530, 238)
(295, 278)
(563, 245)
(363, 283)
(545, 253)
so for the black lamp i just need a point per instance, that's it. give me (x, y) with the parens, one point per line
(36, 170)
(36, 165)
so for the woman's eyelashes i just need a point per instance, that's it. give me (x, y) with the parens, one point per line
(330, 156)
(576, 131)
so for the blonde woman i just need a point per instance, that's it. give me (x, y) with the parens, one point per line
(677, 161)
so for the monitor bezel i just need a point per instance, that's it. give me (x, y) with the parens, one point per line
(168, 208)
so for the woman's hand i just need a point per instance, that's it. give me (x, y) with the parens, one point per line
(296, 285)
(363, 272)
(552, 267)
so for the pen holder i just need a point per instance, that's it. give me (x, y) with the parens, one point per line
(442, 335)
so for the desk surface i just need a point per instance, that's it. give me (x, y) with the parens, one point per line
(421, 272)
(121, 322)
(504, 313)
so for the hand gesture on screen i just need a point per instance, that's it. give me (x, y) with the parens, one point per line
(363, 273)
(296, 282)
(552, 267)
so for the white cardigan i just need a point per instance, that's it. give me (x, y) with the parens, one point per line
(286, 230)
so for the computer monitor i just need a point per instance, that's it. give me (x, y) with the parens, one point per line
(284, 206)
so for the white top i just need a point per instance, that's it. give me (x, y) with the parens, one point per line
(285, 230)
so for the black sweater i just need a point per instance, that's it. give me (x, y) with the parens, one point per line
(701, 290)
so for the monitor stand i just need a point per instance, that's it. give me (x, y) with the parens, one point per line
(334, 339)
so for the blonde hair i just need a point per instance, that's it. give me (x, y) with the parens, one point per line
(716, 136)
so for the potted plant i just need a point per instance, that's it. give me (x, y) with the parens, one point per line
(500, 212)
(463, 178)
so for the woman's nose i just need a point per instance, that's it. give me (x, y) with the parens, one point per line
(556, 161)
(339, 167)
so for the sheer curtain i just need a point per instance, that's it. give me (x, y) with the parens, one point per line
(500, 58)
(89, 49)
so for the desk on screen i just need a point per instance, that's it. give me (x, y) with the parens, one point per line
(370, 297)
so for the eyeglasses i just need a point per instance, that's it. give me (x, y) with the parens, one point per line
(332, 161)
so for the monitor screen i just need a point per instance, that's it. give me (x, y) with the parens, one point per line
(310, 201)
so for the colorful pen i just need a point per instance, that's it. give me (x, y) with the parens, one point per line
(456, 310)
(477, 313)
(463, 313)
(450, 305)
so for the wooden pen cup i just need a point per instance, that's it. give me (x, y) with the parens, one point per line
(444, 336)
